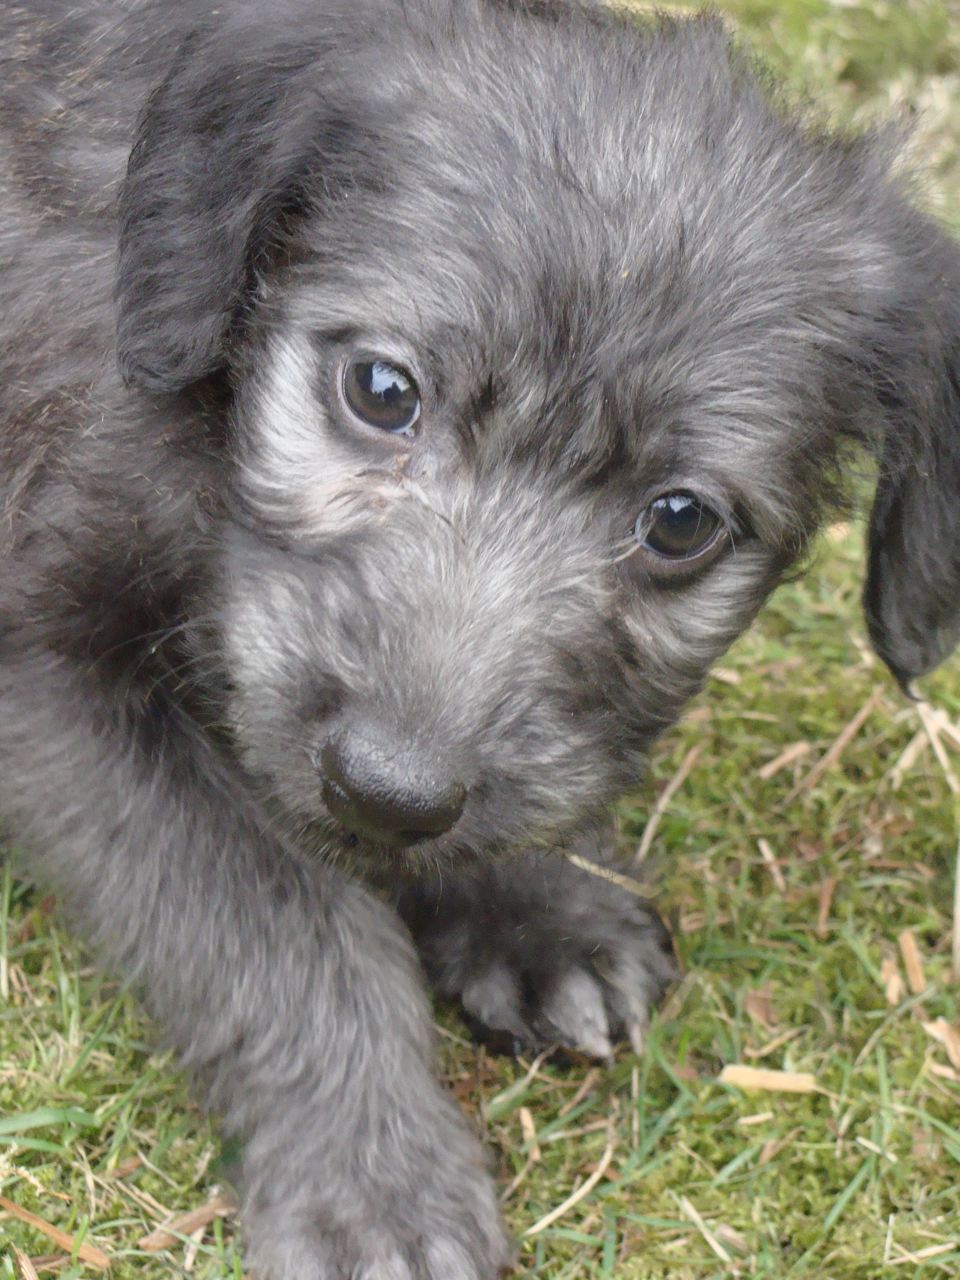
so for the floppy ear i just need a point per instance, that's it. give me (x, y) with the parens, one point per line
(912, 593)
(221, 164)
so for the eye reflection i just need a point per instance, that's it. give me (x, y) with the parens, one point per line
(382, 395)
(679, 525)
(679, 533)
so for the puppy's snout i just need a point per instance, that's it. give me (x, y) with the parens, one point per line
(388, 792)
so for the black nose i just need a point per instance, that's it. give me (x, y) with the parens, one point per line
(390, 794)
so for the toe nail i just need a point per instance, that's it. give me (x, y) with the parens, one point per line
(637, 1037)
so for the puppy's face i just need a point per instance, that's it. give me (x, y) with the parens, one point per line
(480, 553)
(530, 415)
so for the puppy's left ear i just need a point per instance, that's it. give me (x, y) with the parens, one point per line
(912, 593)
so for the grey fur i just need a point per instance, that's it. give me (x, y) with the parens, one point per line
(617, 269)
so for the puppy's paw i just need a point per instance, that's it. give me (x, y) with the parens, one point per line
(584, 990)
(548, 954)
(412, 1203)
(295, 1255)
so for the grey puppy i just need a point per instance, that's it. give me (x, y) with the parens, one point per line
(401, 405)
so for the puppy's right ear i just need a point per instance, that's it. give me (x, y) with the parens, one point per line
(912, 593)
(219, 170)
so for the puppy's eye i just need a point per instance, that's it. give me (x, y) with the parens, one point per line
(382, 395)
(678, 532)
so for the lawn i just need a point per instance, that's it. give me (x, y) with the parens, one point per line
(805, 854)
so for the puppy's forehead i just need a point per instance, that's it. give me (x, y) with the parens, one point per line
(618, 240)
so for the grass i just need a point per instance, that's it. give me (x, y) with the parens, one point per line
(792, 960)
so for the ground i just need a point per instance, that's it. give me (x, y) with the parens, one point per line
(812, 906)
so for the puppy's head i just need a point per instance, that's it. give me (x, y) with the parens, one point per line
(546, 337)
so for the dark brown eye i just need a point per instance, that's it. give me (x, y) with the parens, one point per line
(678, 531)
(382, 395)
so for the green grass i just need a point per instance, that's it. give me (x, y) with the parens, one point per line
(99, 1136)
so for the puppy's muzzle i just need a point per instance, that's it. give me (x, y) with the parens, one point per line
(391, 793)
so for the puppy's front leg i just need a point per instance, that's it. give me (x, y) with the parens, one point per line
(292, 994)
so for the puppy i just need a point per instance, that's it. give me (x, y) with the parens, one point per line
(402, 404)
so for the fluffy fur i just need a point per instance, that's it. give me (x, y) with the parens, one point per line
(617, 269)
